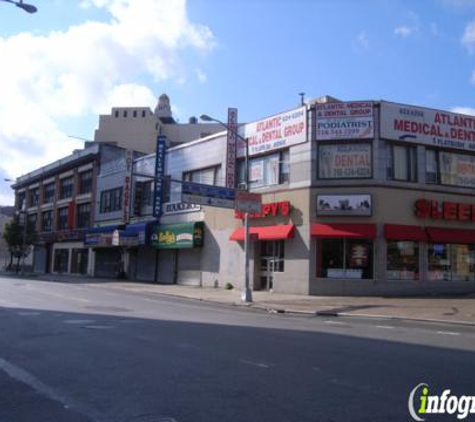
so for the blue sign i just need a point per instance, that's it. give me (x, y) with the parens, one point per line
(215, 196)
(159, 175)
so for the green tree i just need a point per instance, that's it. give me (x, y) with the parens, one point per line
(17, 246)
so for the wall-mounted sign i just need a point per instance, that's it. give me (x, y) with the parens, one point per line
(213, 196)
(444, 210)
(427, 126)
(275, 132)
(269, 210)
(178, 236)
(180, 207)
(129, 160)
(343, 205)
(231, 148)
(344, 161)
(159, 174)
(456, 169)
(352, 120)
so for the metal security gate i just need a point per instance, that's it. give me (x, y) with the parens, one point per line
(189, 267)
(107, 262)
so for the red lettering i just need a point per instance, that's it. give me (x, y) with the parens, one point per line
(422, 208)
(450, 210)
(435, 212)
(285, 208)
(463, 213)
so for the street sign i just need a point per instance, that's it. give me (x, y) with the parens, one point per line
(214, 196)
(159, 173)
(247, 202)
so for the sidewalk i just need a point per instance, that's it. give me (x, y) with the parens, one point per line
(452, 309)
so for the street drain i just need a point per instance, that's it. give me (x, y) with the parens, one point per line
(108, 308)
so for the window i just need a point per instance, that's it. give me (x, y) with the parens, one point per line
(116, 113)
(32, 218)
(135, 113)
(85, 182)
(207, 176)
(47, 221)
(402, 163)
(111, 200)
(450, 168)
(63, 218)
(344, 161)
(403, 260)
(267, 170)
(34, 197)
(61, 258)
(450, 262)
(48, 193)
(345, 258)
(143, 113)
(21, 199)
(125, 113)
(83, 216)
(66, 188)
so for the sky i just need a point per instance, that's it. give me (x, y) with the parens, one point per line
(75, 59)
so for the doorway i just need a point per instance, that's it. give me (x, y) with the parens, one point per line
(271, 261)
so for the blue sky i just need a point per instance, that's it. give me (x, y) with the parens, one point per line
(63, 66)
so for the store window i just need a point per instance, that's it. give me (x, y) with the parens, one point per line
(85, 182)
(265, 170)
(61, 258)
(63, 218)
(402, 260)
(111, 200)
(402, 163)
(47, 221)
(449, 168)
(206, 176)
(451, 262)
(66, 187)
(345, 258)
(48, 193)
(344, 161)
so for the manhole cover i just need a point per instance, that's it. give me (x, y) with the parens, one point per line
(108, 308)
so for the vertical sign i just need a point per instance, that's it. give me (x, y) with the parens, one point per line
(159, 174)
(231, 148)
(129, 161)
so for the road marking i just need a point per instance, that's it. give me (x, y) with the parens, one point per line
(448, 333)
(386, 327)
(78, 321)
(28, 313)
(258, 364)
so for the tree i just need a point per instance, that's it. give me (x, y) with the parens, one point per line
(17, 246)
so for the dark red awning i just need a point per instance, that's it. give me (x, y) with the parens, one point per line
(403, 232)
(444, 235)
(265, 232)
(330, 231)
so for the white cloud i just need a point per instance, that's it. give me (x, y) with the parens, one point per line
(202, 78)
(403, 31)
(468, 38)
(362, 40)
(86, 70)
(463, 110)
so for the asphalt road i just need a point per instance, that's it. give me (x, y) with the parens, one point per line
(82, 352)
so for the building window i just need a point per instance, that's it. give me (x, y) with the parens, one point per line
(207, 176)
(267, 170)
(135, 113)
(34, 195)
(451, 262)
(21, 199)
(402, 163)
(61, 260)
(48, 193)
(63, 218)
(449, 168)
(83, 216)
(32, 218)
(344, 161)
(47, 221)
(125, 113)
(403, 260)
(116, 113)
(66, 187)
(111, 200)
(345, 258)
(85, 182)
(143, 113)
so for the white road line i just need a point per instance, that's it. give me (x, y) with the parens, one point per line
(386, 327)
(258, 364)
(448, 333)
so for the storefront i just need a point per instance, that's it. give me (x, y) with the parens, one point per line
(107, 257)
(179, 252)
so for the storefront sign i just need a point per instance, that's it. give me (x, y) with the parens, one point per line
(129, 159)
(231, 148)
(359, 254)
(457, 169)
(427, 126)
(178, 236)
(248, 202)
(352, 120)
(344, 161)
(444, 210)
(276, 132)
(159, 174)
(269, 210)
(341, 205)
(180, 207)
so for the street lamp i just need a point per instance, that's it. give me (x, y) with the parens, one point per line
(246, 295)
(29, 8)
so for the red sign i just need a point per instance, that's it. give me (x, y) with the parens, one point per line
(444, 210)
(272, 209)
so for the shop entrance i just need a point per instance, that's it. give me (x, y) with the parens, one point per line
(271, 261)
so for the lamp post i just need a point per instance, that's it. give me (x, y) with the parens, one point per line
(246, 295)
(28, 8)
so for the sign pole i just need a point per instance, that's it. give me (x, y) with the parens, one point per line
(246, 295)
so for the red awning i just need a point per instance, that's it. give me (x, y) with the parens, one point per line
(402, 232)
(440, 235)
(330, 231)
(265, 232)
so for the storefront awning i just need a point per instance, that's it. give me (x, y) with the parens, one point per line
(178, 236)
(140, 231)
(101, 236)
(404, 232)
(331, 231)
(443, 235)
(277, 232)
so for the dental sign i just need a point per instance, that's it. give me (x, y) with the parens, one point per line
(276, 132)
(426, 126)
